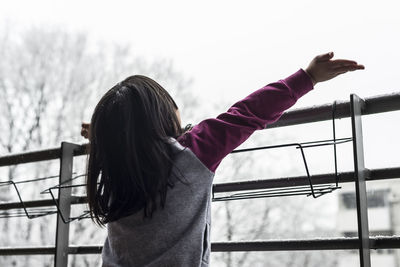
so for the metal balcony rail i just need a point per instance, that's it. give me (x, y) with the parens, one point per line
(354, 109)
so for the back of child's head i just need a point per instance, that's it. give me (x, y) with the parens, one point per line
(130, 157)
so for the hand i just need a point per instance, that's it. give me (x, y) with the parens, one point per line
(85, 130)
(322, 68)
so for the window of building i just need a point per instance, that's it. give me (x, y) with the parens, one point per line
(375, 199)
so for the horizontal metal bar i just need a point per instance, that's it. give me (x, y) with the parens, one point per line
(39, 155)
(384, 173)
(306, 244)
(344, 177)
(375, 104)
(11, 251)
(319, 190)
(282, 182)
(39, 203)
(287, 245)
(85, 249)
(47, 154)
(385, 242)
(264, 245)
(49, 250)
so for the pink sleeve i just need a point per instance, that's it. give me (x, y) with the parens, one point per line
(212, 139)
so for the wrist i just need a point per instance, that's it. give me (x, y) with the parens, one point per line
(308, 72)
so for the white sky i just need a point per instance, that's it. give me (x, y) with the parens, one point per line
(231, 48)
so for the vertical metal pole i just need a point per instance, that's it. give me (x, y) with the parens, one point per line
(356, 106)
(64, 201)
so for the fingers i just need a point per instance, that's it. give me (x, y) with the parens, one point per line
(343, 62)
(346, 68)
(324, 57)
(85, 130)
(344, 65)
(85, 133)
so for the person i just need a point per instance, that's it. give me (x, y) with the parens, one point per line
(150, 182)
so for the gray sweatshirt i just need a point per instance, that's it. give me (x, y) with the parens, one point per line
(179, 234)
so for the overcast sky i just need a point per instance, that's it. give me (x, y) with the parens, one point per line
(231, 48)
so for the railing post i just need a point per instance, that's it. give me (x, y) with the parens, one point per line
(64, 202)
(356, 106)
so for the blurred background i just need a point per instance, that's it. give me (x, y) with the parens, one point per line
(57, 58)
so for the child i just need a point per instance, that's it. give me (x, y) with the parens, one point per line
(151, 183)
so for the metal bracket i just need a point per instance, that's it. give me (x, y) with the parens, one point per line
(311, 190)
(32, 213)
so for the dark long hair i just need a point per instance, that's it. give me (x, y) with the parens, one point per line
(130, 158)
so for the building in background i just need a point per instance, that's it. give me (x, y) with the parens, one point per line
(383, 217)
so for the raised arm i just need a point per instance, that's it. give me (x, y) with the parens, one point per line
(212, 139)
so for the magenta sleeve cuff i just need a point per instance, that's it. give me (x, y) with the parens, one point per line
(299, 83)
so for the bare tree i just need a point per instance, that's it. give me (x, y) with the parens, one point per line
(50, 81)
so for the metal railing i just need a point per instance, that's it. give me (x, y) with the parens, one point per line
(354, 109)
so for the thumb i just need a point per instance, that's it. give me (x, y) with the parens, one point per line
(324, 57)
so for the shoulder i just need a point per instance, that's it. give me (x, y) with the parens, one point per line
(186, 159)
